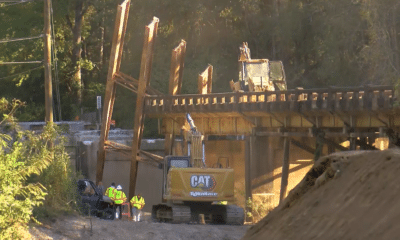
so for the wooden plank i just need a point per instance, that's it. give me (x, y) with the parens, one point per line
(126, 84)
(110, 87)
(149, 90)
(144, 81)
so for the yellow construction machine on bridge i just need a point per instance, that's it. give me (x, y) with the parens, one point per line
(258, 75)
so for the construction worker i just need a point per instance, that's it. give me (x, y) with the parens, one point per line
(137, 203)
(110, 192)
(222, 203)
(120, 198)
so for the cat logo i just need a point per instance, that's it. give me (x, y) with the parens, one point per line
(205, 182)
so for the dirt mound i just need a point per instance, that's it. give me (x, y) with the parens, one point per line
(347, 195)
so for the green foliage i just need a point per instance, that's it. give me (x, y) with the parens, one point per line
(20, 158)
(58, 177)
(34, 169)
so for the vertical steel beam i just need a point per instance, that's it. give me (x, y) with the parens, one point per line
(144, 81)
(247, 170)
(353, 140)
(175, 84)
(285, 168)
(122, 38)
(205, 81)
(176, 69)
(113, 67)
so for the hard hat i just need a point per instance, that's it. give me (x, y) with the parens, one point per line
(119, 187)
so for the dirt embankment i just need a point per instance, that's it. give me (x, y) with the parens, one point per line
(348, 195)
(78, 227)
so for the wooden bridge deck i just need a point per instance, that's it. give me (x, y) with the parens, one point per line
(238, 113)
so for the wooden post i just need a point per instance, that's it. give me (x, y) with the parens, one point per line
(47, 62)
(124, 21)
(353, 140)
(205, 81)
(176, 69)
(285, 168)
(175, 84)
(116, 51)
(144, 81)
(247, 170)
(249, 157)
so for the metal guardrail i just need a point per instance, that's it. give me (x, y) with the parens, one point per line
(301, 100)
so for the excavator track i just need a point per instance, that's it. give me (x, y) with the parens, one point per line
(234, 215)
(181, 214)
(173, 214)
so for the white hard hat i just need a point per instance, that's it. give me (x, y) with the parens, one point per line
(119, 187)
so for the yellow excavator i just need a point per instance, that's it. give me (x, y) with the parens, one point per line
(258, 75)
(190, 188)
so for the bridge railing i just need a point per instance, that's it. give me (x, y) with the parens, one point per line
(328, 99)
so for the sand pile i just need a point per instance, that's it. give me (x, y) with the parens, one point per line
(347, 195)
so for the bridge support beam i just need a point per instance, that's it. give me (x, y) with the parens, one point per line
(285, 168)
(250, 155)
(113, 68)
(144, 82)
(175, 85)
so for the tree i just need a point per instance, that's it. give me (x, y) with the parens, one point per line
(18, 160)
(80, 7)
(31, 172)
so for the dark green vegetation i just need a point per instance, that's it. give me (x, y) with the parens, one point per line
(321, 43)
(35, 175)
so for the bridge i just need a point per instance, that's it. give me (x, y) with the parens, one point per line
(279, 127)
(306, 118)
(344, 112)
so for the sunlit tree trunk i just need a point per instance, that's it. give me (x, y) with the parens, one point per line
(102, 36)
(77, 49)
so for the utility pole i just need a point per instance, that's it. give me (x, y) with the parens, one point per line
(47, 62)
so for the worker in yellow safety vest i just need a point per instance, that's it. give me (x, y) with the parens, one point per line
(110, 192)
(120, 198)
(137, 203)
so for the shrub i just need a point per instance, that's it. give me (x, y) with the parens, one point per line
(34, 168)
(18, 161)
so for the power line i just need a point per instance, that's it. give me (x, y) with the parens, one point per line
(19, 2)
(11, 63)
(30, 70)
(20, 39)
